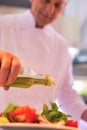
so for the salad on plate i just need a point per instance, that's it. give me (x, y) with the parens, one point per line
(25, 114)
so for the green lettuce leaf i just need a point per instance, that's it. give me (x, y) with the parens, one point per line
(9, 108)
(53, 114)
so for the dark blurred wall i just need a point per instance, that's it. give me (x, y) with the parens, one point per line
(20, 3)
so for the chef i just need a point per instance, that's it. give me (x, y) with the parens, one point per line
(29, 37)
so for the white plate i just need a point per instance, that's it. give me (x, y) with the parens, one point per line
(25, 126)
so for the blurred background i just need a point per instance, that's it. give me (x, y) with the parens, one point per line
(73, 26)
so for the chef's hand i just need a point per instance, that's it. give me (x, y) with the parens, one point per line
(10, 67)
(84, 115)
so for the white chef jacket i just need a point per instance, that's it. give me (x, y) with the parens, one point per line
(46, 52)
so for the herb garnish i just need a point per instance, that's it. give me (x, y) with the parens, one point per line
(53, 114)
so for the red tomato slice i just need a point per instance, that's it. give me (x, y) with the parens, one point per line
(72, 123)
(22, 114)
(0, 114)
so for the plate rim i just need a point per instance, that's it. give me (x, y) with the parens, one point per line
(34, 125)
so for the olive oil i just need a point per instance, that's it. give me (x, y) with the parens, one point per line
(31, 80)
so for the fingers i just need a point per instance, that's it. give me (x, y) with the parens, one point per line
(5, 68)
(6, 88)
(10, 67)
(15, 70)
